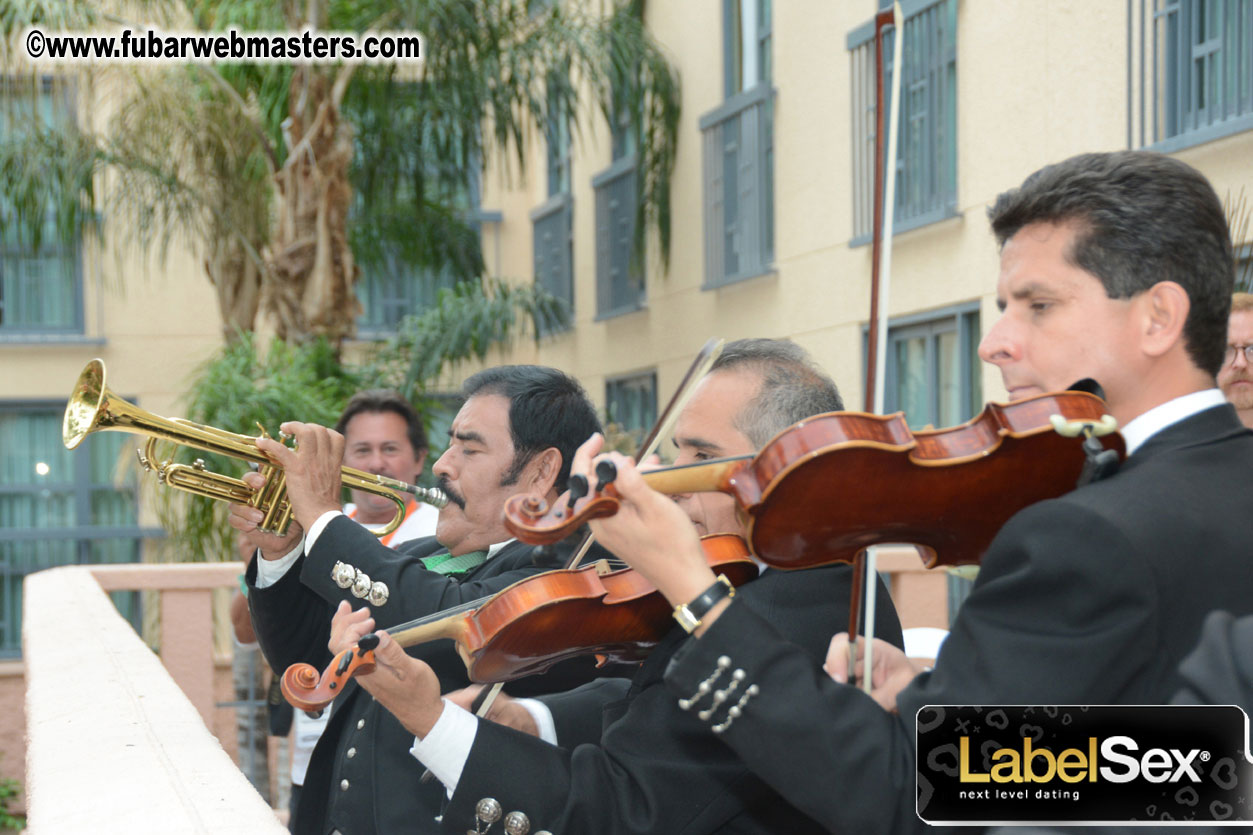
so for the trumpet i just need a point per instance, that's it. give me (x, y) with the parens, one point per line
(93, 407)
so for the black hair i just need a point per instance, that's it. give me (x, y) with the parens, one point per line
(1141, 218)
(546, 409)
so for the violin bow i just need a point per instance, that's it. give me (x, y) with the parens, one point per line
(687, 386)
(699, 368)
(880, 282)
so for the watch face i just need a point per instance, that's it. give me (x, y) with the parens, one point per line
(685, 618)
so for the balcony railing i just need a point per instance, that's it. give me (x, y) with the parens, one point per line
(117, 737)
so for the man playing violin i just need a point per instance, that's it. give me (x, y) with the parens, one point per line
(516, 432)
(1116, 267)
(652, 767)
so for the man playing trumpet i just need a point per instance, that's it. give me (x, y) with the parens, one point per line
(516, 433)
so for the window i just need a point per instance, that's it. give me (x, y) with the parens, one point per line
(747, 59)
(40, 290)
(926, 160)
(59, 507)
(933, 376)
(619, 268)
(631, 405)
(1244, 268)
(553, 222)
(933, 373)
(1192, 65)
(738, 154)
(393, 290)
(388, 232)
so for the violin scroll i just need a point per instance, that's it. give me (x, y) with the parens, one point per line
(305, 689)
(531, 520)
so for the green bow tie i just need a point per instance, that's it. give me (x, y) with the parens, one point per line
(446, 563)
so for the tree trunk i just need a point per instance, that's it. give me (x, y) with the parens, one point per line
(236, 279)
(311, 265)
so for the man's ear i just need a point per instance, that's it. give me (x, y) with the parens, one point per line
(541, 471)
(1165, 307)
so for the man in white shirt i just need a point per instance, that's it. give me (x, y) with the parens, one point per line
(383, 435)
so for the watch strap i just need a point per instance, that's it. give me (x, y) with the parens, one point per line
(690, 614)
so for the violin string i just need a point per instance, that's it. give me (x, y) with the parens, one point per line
(436, 616)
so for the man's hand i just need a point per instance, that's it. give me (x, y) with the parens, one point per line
(649, 532)
(348, 625)
(245, 520)
(891, 670)
(401, 683)
(314, 468)
(504, 710)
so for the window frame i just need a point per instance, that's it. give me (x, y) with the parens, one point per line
(81, 489)
(609, 266)
(650, 377)
(53, 248)
(1169, 116)
(965, 319)
(941, 113)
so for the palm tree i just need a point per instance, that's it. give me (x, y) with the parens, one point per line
(287, 177)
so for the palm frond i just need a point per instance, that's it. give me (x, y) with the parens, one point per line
(467, 322)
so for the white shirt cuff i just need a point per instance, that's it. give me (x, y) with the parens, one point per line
(270, 572)
(447, 747)
(319, 525)
(543, 719)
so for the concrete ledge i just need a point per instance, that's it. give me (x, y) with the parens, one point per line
(183, 576)
(114, 746)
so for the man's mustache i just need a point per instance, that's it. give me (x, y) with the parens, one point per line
(453, 496)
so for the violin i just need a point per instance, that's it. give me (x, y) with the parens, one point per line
(830, 486)
(533, 624)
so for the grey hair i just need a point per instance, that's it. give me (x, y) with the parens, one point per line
(792, 387)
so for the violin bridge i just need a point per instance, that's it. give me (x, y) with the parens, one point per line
(1087, 428)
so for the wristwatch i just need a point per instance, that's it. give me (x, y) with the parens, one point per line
(689, 615)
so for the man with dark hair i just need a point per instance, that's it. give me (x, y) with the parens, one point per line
(515, 433)
(651, 767)
(383, 435)
(1115, 267)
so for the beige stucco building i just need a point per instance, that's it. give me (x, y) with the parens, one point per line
(993, 91)
(770, 227)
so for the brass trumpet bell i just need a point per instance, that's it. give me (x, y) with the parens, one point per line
(93, 408)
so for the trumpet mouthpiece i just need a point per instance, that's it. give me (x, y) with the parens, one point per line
(428, 495)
